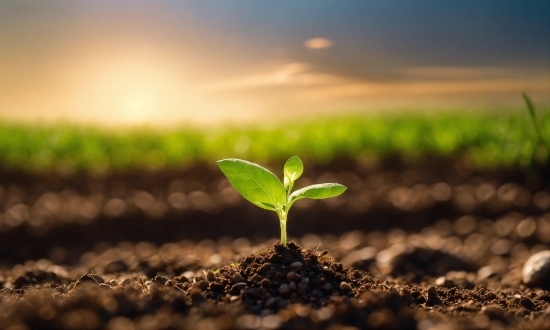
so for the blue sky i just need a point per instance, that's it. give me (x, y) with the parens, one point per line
(159, 60)
(412, 32)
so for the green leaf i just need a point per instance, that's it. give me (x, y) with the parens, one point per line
(255, 183)
(293, 169)
(317, 191)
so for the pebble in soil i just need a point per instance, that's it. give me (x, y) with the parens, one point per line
(536, 271)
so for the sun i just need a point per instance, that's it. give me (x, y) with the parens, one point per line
(140, 89)
(128, 91)
(138, 108)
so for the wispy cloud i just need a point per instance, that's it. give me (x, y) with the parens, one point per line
(455, 72)
(434, 88)
(421, 80)
(292, 74)
(299, 89)
(318, 43)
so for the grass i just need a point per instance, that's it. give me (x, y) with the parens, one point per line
(489, 139)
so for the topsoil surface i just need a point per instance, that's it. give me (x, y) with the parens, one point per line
(430, 244)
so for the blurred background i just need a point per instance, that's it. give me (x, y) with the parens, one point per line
(434, 114)
(161, 62)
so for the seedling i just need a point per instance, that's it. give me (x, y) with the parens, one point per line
(262, 188)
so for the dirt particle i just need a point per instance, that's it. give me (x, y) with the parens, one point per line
(494, 312)
(210, 276)
(433, 297)
(444, 282)
(527, 303)
(469, 306)
(344, 286)
(237, 278)
(181, 279)
(197, 296)
(236, 288)
(292, 286)
(292, 276)
(271, 302)
(407, 296)
(302, 288)
(284, 289)
(296, 265)
(485, 272)
(159, 279)
(91, 278)
(266, 283)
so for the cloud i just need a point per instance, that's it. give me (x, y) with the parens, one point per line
(318, 43)
(428, 88)
(314, 89)
(426, 81)
(455, 72)
(297, 74)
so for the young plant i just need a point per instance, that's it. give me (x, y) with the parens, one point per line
(262, 188)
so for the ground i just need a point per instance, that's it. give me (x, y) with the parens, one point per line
(425, 244)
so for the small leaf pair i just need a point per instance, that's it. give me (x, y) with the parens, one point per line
(262, 188)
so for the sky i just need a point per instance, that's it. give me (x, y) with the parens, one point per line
(166, 62)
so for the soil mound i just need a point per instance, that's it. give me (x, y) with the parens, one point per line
(282, 275)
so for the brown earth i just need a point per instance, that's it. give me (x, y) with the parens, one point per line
(431, 244)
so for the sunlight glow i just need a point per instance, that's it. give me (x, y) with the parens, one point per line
(167, 63)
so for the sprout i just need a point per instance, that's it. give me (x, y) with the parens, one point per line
(262, 188)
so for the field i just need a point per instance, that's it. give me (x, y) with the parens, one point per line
(488, 139)
(137, 228)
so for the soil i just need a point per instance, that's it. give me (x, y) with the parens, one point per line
(427, 244)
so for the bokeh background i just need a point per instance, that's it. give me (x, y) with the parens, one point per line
(434, 114)
(161, 62)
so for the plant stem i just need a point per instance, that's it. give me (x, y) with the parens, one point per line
(282, 220)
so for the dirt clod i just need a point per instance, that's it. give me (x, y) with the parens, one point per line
(345, 286)
(296, 265)
(433, 298)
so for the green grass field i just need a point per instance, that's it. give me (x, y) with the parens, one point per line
(489, 139)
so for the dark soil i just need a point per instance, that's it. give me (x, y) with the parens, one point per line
(432, 244)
